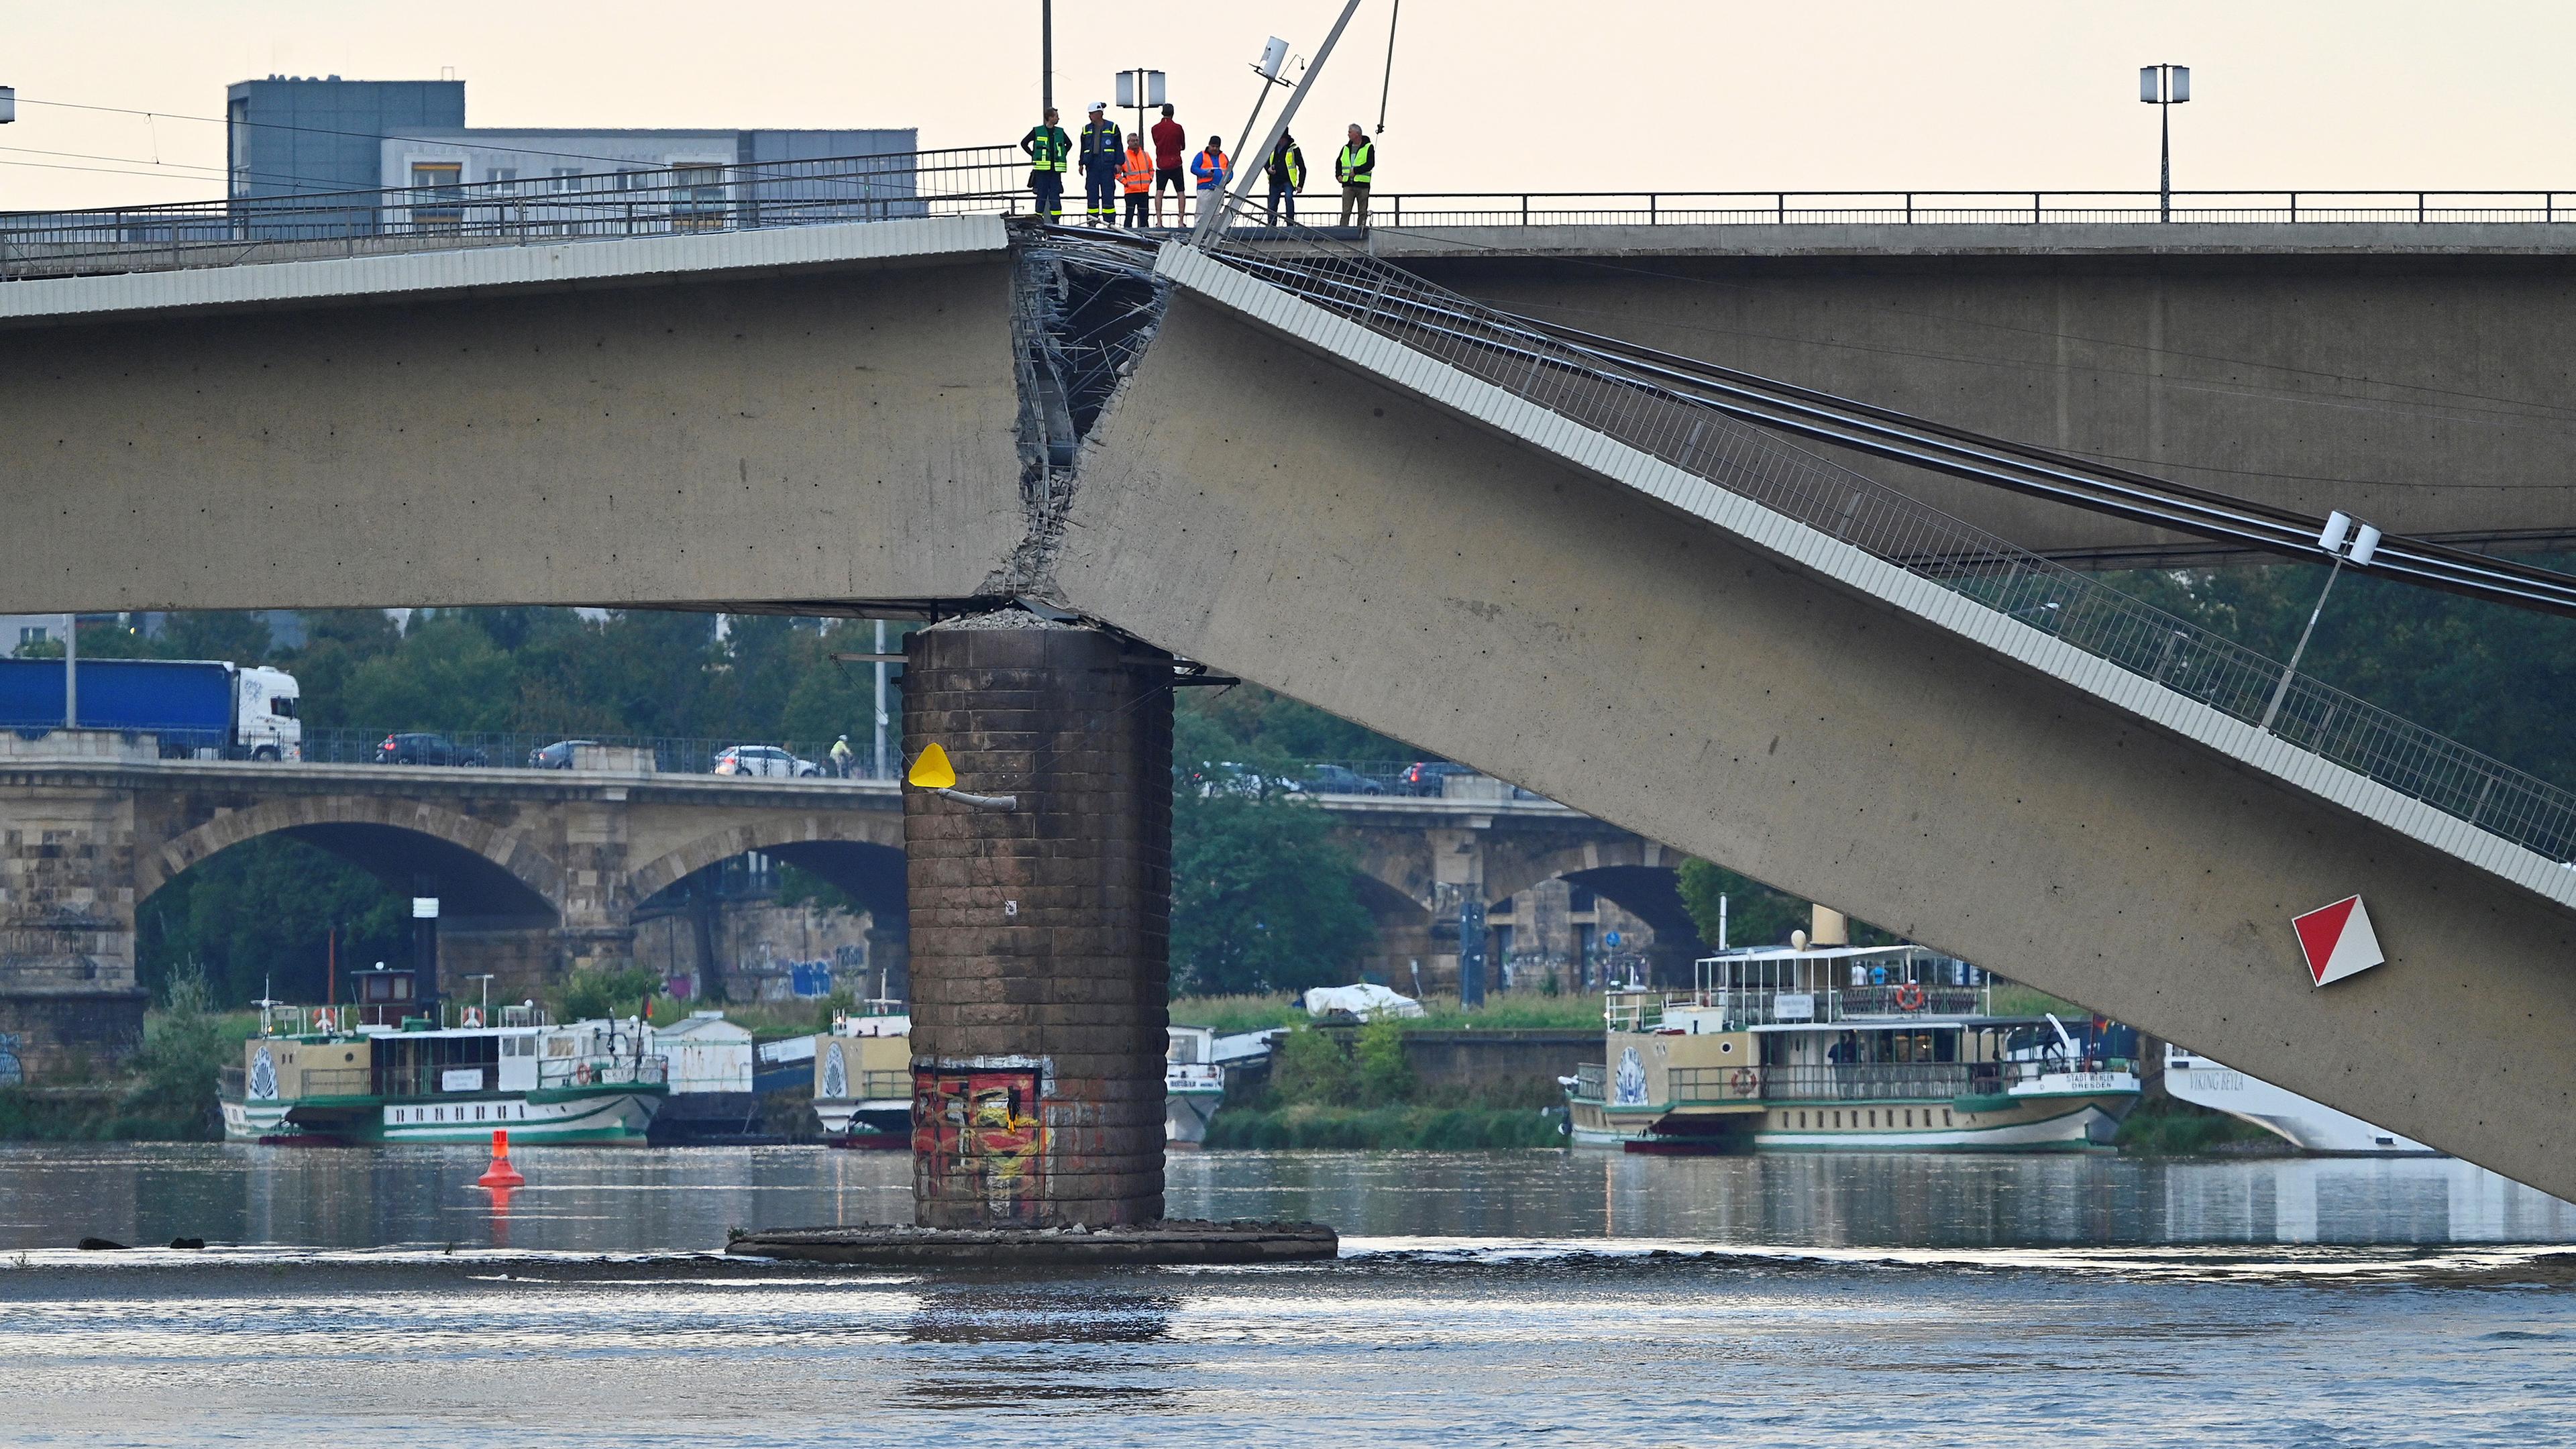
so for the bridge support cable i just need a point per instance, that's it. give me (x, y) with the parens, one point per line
(1652, 413)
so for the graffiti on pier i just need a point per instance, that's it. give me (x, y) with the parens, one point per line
(979, 1133)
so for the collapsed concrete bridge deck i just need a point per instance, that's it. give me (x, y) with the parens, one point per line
(1322, 513)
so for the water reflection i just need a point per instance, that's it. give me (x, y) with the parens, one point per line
(608, 1200)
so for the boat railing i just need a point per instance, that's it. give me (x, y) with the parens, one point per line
(881, 1085)
(1715, 1084)
(614, 1071)
(1911, 999)
(1592, 1081)
(232, 1082)
(1738, 1007)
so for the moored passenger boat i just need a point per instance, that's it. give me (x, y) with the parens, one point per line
(314, 1075)
(1847, 1048)
(863, 1081)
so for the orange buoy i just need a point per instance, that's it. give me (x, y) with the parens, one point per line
(500, 1175)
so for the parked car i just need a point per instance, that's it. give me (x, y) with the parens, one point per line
(1338, 780)
(1228, 777)
(1423, 777)
(764, 760)
(427, 749)
(557, 756)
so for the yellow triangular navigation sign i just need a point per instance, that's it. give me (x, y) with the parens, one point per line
(931, 771)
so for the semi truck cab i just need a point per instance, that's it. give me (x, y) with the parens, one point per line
(264, 711)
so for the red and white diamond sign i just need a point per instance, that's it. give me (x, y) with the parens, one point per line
(2338, 940)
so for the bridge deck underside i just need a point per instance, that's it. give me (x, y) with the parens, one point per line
(1303, 523)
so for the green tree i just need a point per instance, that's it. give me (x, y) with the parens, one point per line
(1308, 1066)
(1261, 893)
(1756, 915)
(262, 916)
(1385, 1078)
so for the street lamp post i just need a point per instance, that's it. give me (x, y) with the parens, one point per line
(1046, 56)
(2165, 87)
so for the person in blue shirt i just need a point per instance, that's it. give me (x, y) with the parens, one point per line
(1211, 168)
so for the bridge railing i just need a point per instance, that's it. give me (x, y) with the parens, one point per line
(1597, 392)
(503, 750)
(599, 205)
(1950, 208)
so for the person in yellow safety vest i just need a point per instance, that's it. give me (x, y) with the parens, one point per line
(1049, 149)
(1136, 178)
(1354, 168)
(1287, 173)
(1101, 154)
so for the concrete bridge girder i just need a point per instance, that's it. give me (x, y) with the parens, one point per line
(2402, 374)
(1924, 781)
(523, 426)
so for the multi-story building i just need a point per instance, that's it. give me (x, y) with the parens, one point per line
(295, 138)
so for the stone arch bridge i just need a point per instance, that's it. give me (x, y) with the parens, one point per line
(541, 872)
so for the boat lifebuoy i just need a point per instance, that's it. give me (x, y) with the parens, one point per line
(1743, 1082)
(581, 1075)
(1909, 996)
(323, 1022)
(473, 1016)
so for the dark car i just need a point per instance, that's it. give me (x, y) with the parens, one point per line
(426, 749)
(557, 756)
(1338, 780)
(1424, 777)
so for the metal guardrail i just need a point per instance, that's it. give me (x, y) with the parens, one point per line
(2082, 611)
(1950, 208)
(596, 205)
(517, 751)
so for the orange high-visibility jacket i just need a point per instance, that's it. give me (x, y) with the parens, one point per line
(1136, 173)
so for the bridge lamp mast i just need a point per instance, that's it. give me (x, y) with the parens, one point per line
(1214, 202)
(2348, 545)
(2165, 87)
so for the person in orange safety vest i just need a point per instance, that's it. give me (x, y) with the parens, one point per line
(1136, 178)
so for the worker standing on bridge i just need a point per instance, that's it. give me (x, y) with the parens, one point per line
(1211, 167)
(1287, 173)
(1049, 149)
(1355, 168)
(1169, 141)
(1136, 179)
(1101, 156)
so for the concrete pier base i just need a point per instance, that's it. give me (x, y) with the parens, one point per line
(1038, 965)
(1072, 1247)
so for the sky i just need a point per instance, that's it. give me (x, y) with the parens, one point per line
(1487, 95)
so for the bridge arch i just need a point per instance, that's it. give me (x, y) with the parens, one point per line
(486, 870)
(859, 853)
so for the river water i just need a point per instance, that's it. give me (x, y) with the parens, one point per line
(1589, 1297)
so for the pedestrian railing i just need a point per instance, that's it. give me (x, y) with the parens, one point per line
(598, 205)
(1951, 208)
(2078, 609)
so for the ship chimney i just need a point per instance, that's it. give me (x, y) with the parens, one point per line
(1825, 927)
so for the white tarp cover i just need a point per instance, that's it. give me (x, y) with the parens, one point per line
(1363, 1001)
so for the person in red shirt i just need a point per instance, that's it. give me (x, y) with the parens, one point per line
(1171, 145)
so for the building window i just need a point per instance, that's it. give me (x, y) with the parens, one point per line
(437, 195)
(697, 198)
(32, 634)
(505, 180)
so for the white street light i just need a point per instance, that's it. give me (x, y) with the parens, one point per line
(2165, 87)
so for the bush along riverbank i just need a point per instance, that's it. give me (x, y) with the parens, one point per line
(2163, 1126)
(1333, 1090)
(165, 1092)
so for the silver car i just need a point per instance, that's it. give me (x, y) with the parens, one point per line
(764, 760)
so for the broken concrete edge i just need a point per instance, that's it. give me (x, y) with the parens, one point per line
(1184, 1241)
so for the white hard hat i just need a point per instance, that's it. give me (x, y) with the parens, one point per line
(1100, 105)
